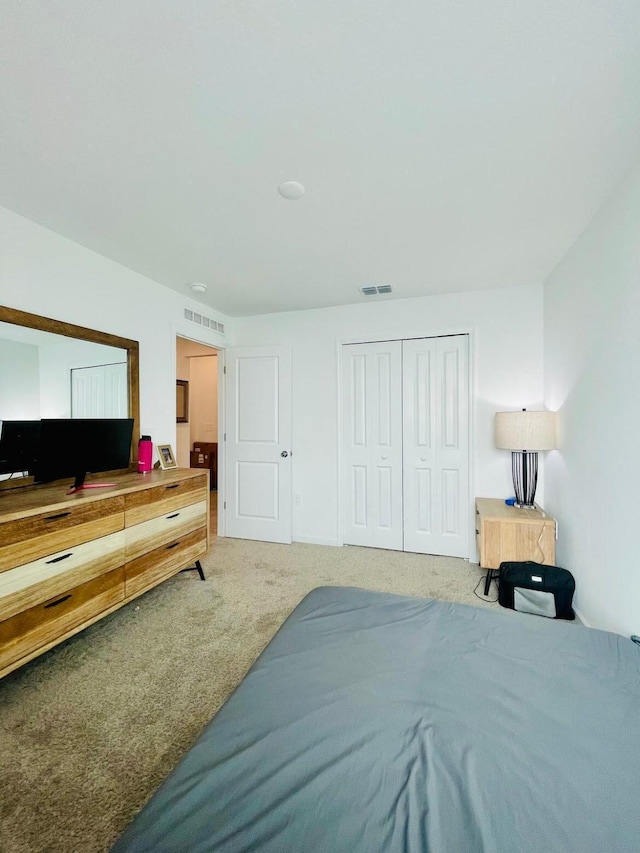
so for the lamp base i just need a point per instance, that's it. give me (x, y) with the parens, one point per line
(524, 468)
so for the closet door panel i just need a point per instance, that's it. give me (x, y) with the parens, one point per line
(435, 441)
(372, 444)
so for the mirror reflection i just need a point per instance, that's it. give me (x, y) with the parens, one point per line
(44, 375)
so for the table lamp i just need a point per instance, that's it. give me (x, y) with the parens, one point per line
(525, 433)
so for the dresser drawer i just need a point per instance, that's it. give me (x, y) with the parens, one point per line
(28, 631)
(149, 535)
(163, 562)
(43, 579)
(160, 500)
(35, 536)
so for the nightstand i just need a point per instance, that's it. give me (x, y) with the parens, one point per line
(508, 533)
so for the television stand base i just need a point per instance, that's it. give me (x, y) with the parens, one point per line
(90, 486)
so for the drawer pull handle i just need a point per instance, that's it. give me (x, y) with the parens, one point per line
(56, 517)
(174, 486)
(59, 601)
(175, 515)
(58, 559)
(174, 545)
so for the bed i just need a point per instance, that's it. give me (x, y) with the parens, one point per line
(377, 722)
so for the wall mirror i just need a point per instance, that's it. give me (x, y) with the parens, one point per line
(51, 369)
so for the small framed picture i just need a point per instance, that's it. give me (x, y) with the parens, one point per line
(166, 457)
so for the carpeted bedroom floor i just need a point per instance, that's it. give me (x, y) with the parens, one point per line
(90, 729)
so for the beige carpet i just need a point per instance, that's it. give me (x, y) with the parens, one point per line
(90, 729)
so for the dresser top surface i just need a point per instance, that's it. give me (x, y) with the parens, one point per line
(30, 500)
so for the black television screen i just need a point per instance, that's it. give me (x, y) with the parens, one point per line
(79, 446)
(18, 446)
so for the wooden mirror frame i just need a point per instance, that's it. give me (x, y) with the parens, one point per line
(68, 330)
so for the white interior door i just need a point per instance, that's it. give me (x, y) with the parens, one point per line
(100, 391)
(372, 444)
(258, 444)
(436, 445)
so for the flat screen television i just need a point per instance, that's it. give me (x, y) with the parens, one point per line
(79, 446)
(18, 446)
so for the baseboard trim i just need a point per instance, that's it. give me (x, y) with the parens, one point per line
(312, 540)
(581, 617)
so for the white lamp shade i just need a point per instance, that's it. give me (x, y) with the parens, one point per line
(525, 430)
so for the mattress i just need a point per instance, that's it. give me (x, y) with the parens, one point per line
(376, 722)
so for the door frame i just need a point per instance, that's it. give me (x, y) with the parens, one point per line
(403, 336)
(220, 347)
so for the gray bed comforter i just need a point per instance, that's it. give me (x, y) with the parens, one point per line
(376, 722)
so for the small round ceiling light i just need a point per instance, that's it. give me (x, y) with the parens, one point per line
(291, 190)
(199, 287)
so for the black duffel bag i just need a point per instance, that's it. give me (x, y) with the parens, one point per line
(535, 588)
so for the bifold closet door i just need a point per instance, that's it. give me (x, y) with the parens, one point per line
(406, 445)
(436, 445)
(372, 444)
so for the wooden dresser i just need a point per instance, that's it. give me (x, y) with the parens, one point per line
(68, 560)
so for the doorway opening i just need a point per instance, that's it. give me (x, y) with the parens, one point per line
(197, 416)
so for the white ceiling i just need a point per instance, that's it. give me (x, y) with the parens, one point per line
(445, 145)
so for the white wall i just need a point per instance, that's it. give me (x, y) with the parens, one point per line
(506, 344)
(46, 274)
(592, 377)
(203, 396)
(19, 382)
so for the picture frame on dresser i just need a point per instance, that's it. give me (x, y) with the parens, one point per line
(166, 458)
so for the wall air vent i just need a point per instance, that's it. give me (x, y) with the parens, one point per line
(201, 320)
(373, 290)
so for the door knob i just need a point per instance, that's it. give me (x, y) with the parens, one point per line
(284, 454)
(423, 458)
(383, 457)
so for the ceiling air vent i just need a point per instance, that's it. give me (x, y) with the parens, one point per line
(373, 290)
(201, 320)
